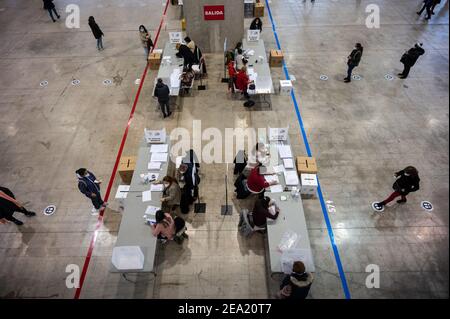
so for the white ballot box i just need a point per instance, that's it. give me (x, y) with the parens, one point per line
(285, 87)
(128, 258)
(309, 184)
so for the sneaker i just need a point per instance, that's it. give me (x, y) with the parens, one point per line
(378, 207)
(59, 17)
(30, 214)
(401, 201)
(94, 212)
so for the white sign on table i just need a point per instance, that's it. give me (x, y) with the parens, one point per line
(175, 37)
(253, 35)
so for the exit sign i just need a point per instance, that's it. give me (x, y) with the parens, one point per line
(214, 12)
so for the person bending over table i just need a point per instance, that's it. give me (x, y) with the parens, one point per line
(256, 182)
(185, 53)
(242, 81)
(165, 226)
(264, 208)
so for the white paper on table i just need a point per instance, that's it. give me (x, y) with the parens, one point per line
(157, 188)
(288, 163)
(271, 178)
(175, 78)
(285, 151)
(122, 191)
(290, 256)
(146, 196)
(159, 157)
(249, 52)
(160, 148)
(276, 189)
(253, 76)
(154, 166)
(291, 178)
(278, 169)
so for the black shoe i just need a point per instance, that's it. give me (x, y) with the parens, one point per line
(17, 222)
(170, 113)
(403, 77)
(59, 17)
(54, 21)
(401, 201)
(347, 80)
(30, 214)
(427, 18)
(419, 13)
(400, 74)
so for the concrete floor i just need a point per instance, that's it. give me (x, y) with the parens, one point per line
(361, 133)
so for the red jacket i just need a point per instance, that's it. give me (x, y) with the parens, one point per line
(256, 182)
(242, 81)
(231, 69)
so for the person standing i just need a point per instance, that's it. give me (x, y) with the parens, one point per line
(146, 40)
(9, 205)
(50, 7)
(410, 58)
(407, 181)
(98, 34)
(297, 284)
(428, 5)
(90, 186)
(435, 3)
(256, 24)
(353, 61)
(162, 92)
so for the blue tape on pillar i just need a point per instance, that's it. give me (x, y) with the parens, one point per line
(308, 151)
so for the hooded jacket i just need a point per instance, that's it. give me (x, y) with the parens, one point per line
(410, 58)
(406, 184)
(296, 286)
(162, 92)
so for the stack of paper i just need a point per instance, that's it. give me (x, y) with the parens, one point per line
(271, 178)
(157, 188)
(159, 157)
(276, 189)
(162, 148)
(175, 78)
(285, 151)
(288, 163)
(146, 196)
(154, 166)
(291, 178)
(278, 169)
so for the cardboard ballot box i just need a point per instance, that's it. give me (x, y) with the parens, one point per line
(259, 10)
(306, 165)
(154, 61)
(276, 58)
(309, 184)
(126, 168)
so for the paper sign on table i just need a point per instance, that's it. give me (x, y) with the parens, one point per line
(146, 196)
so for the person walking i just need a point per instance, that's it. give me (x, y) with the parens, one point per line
(435, 3)
(162, 93)
(98, 34)
(50, 7)
(9, 205)
(90, 186)
(409, 58)
(407, 181)
(297, 284)
(353, 61)
(146, 40)
(256, 24)
(428, 5)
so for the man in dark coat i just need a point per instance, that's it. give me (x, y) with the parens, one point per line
(428, 5)
(97, 32)
(90, 187)
(408, 181)
(9, 205)
(162, 92)
(297, 284)
(410, 58)
(353, 61)
(50, 6)
(185, 53)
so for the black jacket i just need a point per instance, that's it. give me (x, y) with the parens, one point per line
(162, 92)
(7, 208)
(253, 25)
(355, 57)
(48, 4)
(96, 30)
(406, 184)
(186, 53)
(410, 58)
(298, 285)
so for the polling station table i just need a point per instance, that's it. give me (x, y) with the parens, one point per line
(133, 230)
(292, 216)
(258, 68)
(170, 69)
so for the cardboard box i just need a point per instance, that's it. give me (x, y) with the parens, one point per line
(126, 168)
(306, 165)
(285, 87)
(154, 61)
(259, 10)
(309, 184)
(276, 58)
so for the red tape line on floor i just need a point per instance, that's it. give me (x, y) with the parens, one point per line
(113, 174)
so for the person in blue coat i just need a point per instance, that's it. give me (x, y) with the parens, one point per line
(90, 187)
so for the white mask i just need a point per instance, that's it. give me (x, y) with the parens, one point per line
(166, 185)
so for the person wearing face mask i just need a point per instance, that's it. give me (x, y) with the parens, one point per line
(146, 40)
(90, 187)
(407, 181)
(171, 194)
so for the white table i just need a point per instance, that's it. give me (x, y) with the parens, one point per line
(166, 69)
(263, 82)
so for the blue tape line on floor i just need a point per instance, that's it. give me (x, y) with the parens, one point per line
(308, 151)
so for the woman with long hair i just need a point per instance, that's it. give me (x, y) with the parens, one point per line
(146, 40)
(171, 193)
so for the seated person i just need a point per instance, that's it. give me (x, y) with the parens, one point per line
(256, 182)
(241, 61)
(187, 77)
(242, 81)
(264, 208)
(256, 24)
(171, 193)
(297, 284)
(238, 46)
(165, 226)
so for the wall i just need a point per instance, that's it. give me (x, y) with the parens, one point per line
(210, 35)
